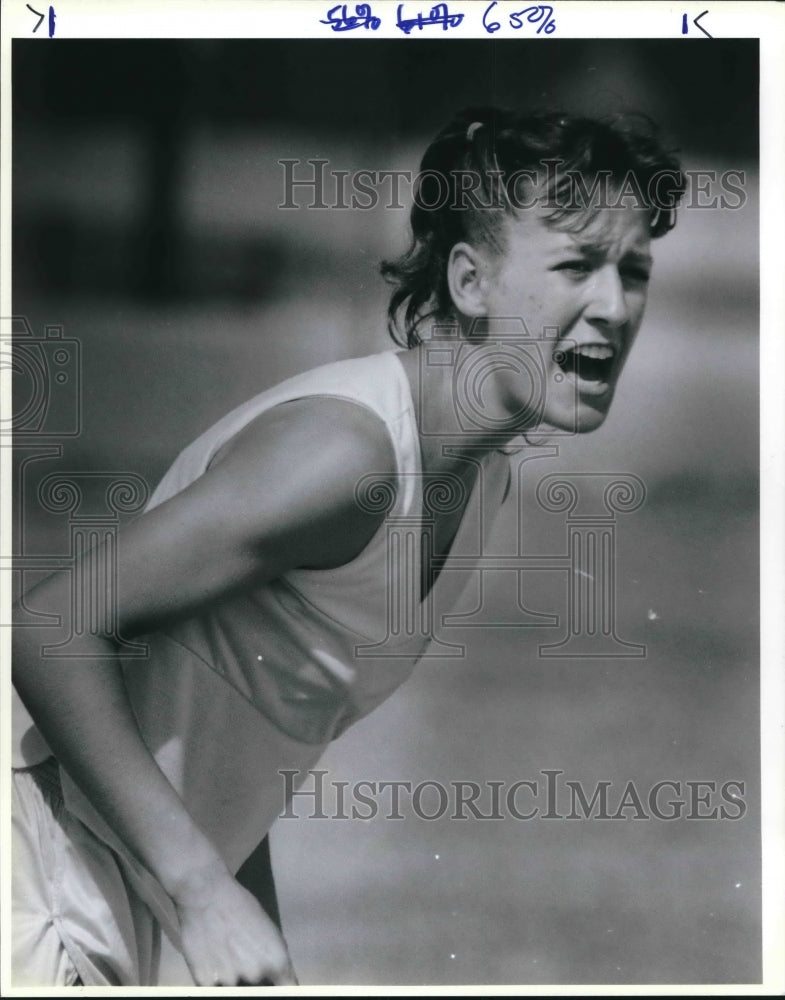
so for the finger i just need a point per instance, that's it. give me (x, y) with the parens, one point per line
(282, 977)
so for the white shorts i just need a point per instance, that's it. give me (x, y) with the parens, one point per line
(74, 919)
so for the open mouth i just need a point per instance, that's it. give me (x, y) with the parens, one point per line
(590, 363)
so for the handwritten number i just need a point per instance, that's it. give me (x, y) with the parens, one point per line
(438, 14)
(39, 16)
(539, 14)
(696, 21)
(542, 12)
(340, 20)
(490, 26)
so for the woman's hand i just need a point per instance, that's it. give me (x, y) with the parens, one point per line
(227, 938)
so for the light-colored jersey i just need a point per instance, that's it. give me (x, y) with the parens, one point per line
(265, 678)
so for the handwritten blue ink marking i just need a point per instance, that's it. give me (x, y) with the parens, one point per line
(439, 14)
(490, 26)
(52, 18)
(363, 17)
(542, 12)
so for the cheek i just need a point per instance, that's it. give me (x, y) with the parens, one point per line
(524, 292)
(636, 317)
(628, 344)
(542, 300)
(638, 307)
(549, 310)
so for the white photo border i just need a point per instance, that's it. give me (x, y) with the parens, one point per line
(271, 19)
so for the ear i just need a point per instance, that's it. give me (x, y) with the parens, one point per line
(467, 279)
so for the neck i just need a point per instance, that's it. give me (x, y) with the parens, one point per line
(449, 409)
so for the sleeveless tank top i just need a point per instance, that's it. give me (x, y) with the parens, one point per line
(262, 681)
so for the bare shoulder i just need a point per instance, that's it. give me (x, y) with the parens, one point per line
(321, 440)
(280, 496)
(299, 465)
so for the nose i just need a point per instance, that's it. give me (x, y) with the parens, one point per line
(607, 304)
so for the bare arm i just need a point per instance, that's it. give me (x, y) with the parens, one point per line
(282, 495)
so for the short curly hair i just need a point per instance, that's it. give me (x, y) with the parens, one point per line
(502, 153)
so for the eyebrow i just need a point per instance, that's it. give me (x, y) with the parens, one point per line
(598, 249)
(638, 257)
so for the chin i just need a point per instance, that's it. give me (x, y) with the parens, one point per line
(577, 419)
(590, 420)
(586, 427)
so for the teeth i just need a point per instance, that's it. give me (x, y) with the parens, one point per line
(598, 352)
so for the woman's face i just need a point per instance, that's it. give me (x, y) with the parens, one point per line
(581, 297)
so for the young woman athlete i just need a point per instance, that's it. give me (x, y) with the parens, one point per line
(259, 578)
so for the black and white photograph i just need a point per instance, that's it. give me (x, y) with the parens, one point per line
(384, 505)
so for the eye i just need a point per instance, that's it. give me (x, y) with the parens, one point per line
(633, 274)
(577, 268)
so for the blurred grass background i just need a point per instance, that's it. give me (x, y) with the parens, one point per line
(146, 222)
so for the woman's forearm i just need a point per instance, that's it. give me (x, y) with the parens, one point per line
(82, 709)
(84, 713)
